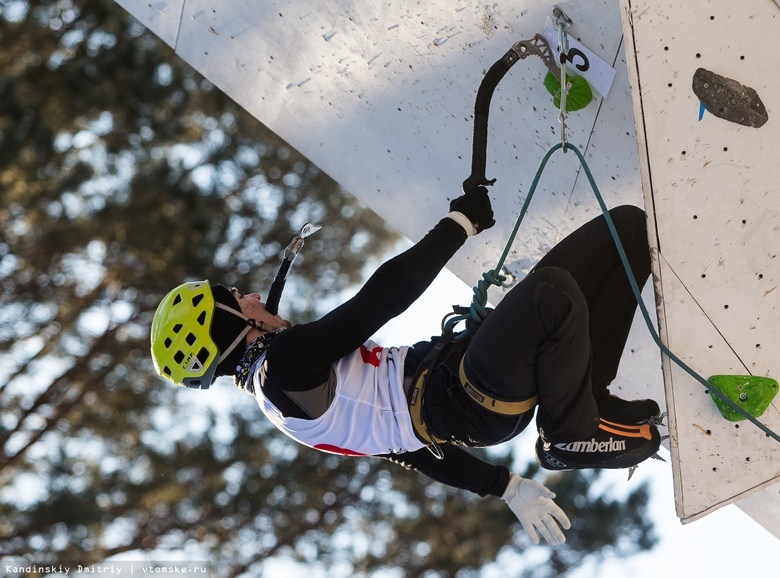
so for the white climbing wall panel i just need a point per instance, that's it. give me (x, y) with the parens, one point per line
(162, 17)
(380, 95)
(714, 188)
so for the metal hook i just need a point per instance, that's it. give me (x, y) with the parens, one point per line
(562, 23)
(308, 229)
(561, 19)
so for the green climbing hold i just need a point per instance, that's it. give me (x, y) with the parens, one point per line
(751, 393)
(579, 95)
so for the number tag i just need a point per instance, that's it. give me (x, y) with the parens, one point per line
(583, 62)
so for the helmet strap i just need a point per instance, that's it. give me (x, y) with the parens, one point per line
(250, 324)
(233, 345)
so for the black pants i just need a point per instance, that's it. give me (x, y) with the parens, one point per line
(559, 333)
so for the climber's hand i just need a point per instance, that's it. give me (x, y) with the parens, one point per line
(475, 206)
(533, 505)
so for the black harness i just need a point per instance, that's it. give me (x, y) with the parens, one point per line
(488, 400)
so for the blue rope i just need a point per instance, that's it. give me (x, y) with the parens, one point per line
(477, 312)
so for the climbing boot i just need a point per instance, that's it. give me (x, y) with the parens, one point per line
(612, 446)
(631, 412)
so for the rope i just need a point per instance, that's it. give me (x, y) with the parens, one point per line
(477, 312)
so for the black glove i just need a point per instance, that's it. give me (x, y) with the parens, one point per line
(475, 206)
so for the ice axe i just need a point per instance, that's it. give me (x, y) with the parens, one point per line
(289, 255)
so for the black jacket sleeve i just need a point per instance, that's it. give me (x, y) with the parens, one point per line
(459, 468)
(300, 357)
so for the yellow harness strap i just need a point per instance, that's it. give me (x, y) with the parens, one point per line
(493, 404)
(416, 411)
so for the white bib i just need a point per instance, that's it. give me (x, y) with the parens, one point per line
(369, 414)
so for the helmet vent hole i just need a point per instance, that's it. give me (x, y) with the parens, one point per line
(178, 357)
(197, 299)
(167, 342)
(202, 318)
(177, 328)
(167, 370)
(177, 300)
(190, 339)
(203, 355)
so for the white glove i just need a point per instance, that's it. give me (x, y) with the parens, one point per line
(532, 504)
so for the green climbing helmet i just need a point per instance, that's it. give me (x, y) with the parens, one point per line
(183, 349)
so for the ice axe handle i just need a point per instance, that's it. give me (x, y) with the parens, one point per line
(290, 253)
(275, 293)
